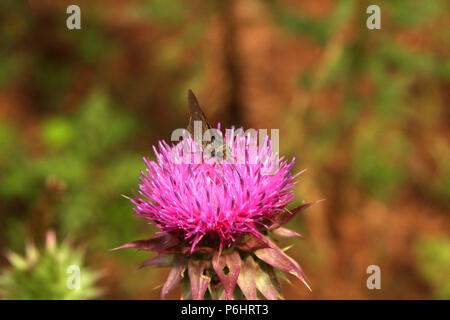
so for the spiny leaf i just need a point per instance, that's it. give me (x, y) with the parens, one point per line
(252, 244)
(158, 243)
(217, 292)
(286, 216)
(199, 280)
(246, 280)
(286, 233)
(232, 261)
(264, 284)
(160, 260)
(278, 259)
(175, 275)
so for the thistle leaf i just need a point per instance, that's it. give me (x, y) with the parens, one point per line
(286, 216)
(246, 280)
(281, 275)
(217, 292)
(198, 250)
(159, 243)
(264, 284)
(160, 260)
(232, 261)
(186, 294)
(286, 233)
(273, 277)
(16, 260)
(278, 259)
(252, 244)
(175, 275)
(199, 280)
(287, 248)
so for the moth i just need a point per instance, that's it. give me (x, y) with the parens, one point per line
(196, 114)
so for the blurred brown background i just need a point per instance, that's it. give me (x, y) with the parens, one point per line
(365, 111)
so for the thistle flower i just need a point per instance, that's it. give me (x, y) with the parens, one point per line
(217, 218)
(45, 273)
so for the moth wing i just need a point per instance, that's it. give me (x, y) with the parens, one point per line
(196, 114)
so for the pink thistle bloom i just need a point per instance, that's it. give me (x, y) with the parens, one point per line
(217, 217)
(220, 201)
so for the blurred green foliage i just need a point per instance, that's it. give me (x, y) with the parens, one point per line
(377, 160)
(77, 147)
(372, 127)
(432, 254)
(385, 135)
(298, 23)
